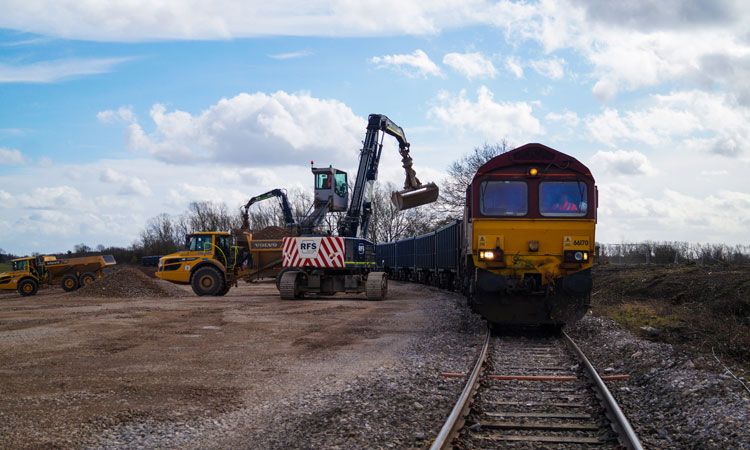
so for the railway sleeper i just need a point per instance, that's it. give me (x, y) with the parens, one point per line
(548, 439)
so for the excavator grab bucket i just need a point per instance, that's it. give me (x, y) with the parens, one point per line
(411, 198)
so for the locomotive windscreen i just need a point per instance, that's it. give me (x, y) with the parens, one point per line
(503, 198)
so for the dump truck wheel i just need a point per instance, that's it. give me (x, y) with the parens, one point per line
(69, 283)
(28, 287)
(207, 281)
(224, 291)
(376, 286)
(86, 278)
(289, 286)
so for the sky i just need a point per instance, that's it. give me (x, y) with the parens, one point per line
(114, 112)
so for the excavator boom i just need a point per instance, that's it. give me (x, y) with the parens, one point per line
(286, 210)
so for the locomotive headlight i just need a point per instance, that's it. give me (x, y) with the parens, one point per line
(486, 255)
(576, 256)
(533, 172)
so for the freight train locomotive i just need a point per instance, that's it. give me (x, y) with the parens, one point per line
(522, 254)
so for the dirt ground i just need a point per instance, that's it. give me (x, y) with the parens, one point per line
(72, 367)
(703, 308)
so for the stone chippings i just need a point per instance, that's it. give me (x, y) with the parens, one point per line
(128, 282)
(670, 402)
(400, 406)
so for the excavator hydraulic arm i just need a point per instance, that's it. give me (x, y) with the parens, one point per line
(414, 193)
(285, 208)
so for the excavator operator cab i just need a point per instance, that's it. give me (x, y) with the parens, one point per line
(331, 186)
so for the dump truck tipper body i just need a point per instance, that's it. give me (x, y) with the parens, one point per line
(28, 274)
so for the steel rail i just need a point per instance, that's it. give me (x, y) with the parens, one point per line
(625, 433)
(454, 421)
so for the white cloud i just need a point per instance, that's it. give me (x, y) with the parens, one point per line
(54, 197)
(626, 213)
(514, 66)
(413, 65)
(678, 116)
(622, 162)
(632, 45)
(494, 120)
(11, 157)
(291, 55)
(553, 68)
(257, 129)
(228, 19)
(568, 118)
(61, 69)
(471, 65)
(605, 91)
(123, 114)
(129, 185)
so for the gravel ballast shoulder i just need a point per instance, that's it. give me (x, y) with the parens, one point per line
(669, 400)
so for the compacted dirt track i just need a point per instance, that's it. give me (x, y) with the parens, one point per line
(245, 370)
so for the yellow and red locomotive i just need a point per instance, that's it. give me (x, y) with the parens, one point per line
(523, 252)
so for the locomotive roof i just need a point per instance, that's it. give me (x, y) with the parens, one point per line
(534, 154)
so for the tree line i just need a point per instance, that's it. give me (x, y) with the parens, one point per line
(165, 233)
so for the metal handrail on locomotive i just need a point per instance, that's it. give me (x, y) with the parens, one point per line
(523, 251)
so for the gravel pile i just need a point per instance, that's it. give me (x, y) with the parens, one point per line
(673, 401)
(128, 282)
(399, 406)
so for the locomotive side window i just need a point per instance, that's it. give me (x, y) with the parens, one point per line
(503, 198)
(563, 198)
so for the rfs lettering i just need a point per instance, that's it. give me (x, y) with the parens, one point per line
(308, 246)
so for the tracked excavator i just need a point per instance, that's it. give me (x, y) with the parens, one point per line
(325, 265)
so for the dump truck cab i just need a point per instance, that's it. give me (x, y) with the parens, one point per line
(200, 249)
(206, 263)
(24, 276)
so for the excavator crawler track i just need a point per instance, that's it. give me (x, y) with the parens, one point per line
(376, 286)
(289, 286)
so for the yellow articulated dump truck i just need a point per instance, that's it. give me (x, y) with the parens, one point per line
(215, 261)
(28, 274)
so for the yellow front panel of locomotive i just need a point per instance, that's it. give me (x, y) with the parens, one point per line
(516, 237)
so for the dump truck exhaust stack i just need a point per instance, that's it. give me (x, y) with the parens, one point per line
(414, 193)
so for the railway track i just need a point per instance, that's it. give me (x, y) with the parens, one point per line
(535, 392)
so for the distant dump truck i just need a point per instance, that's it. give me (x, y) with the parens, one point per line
(214, 261)
(28, 274)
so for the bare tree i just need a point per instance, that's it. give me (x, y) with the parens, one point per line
(389, 224)
(81, 249)
(160, 236)
(460, 174)
(210, 216)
